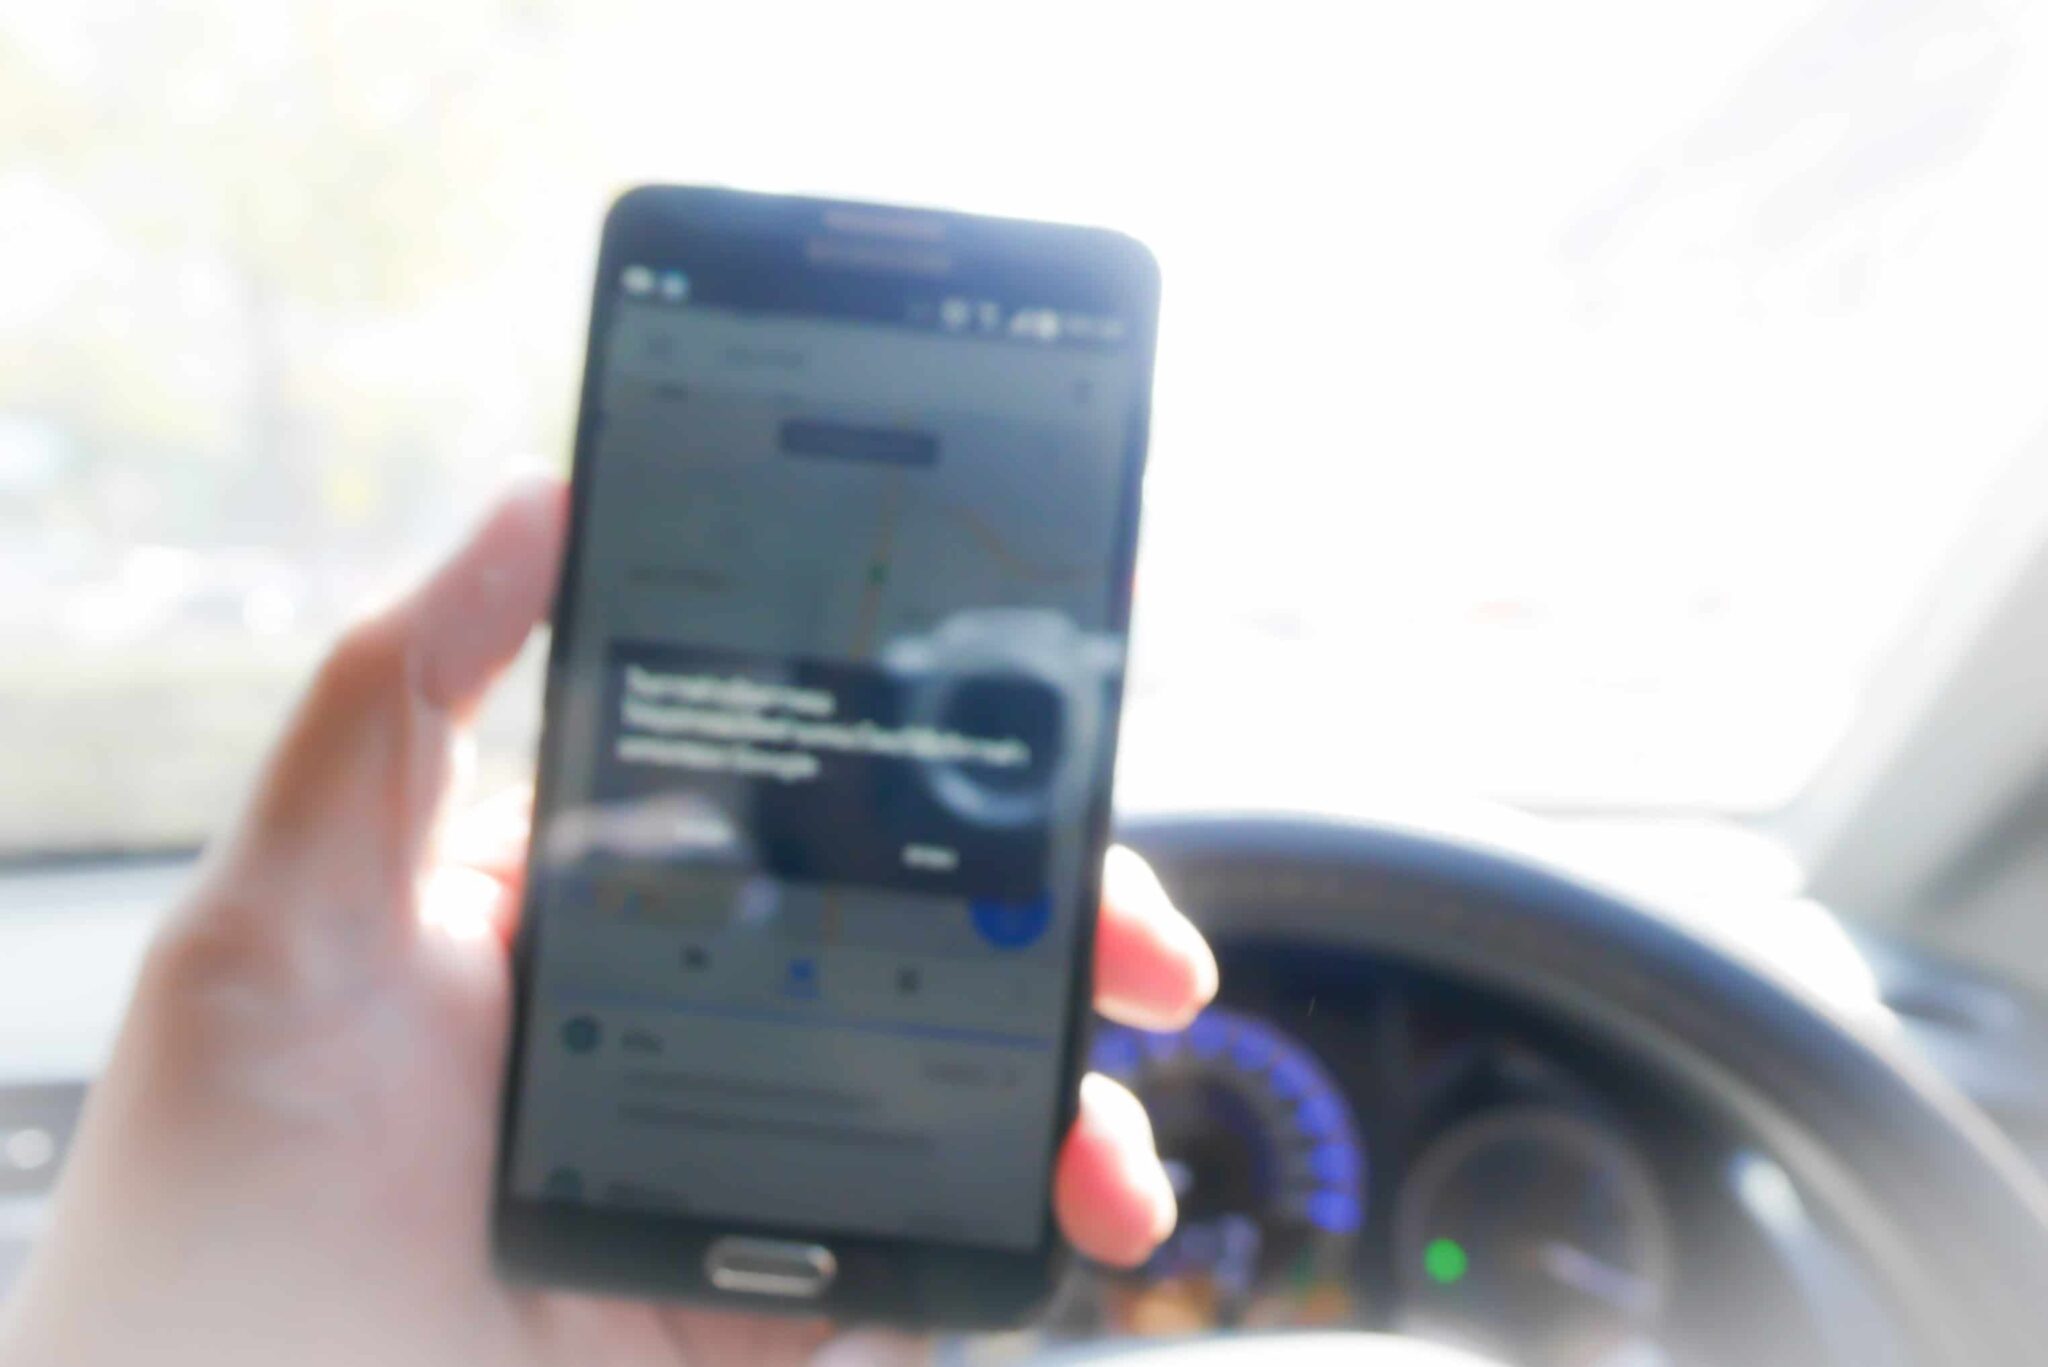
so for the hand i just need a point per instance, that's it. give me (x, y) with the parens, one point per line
(289, 1158)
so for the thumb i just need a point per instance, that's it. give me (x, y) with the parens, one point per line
(338, 827)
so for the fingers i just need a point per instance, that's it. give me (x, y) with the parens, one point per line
(1153, 969)
(336, 834)
(468, 621)
(1109, 1191)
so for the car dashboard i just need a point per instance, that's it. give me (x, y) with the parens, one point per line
(1359, 1144)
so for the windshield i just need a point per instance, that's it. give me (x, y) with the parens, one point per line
(1556, 404)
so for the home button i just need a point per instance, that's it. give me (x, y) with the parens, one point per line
(770, 1267)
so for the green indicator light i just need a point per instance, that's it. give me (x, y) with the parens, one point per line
(1445, 1261)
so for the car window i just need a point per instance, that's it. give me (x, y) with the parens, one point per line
(1564, 404)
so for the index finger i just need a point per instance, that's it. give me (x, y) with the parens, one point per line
(1153, 969)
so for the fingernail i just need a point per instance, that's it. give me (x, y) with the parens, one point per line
(1112, 1106)
(1165, 1212)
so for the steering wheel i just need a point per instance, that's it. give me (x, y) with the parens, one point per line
(1950, 1215)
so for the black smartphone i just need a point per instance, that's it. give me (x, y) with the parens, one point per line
(803, 977)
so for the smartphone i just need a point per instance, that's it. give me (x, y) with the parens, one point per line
(803, 978)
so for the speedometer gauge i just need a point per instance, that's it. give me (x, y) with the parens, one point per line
(1265, 1156)
(1536, 1230)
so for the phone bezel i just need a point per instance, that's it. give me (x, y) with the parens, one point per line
(887, 1280)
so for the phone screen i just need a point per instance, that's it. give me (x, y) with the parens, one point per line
(829, 739)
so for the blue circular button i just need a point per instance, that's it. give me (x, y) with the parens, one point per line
(1011, 925)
